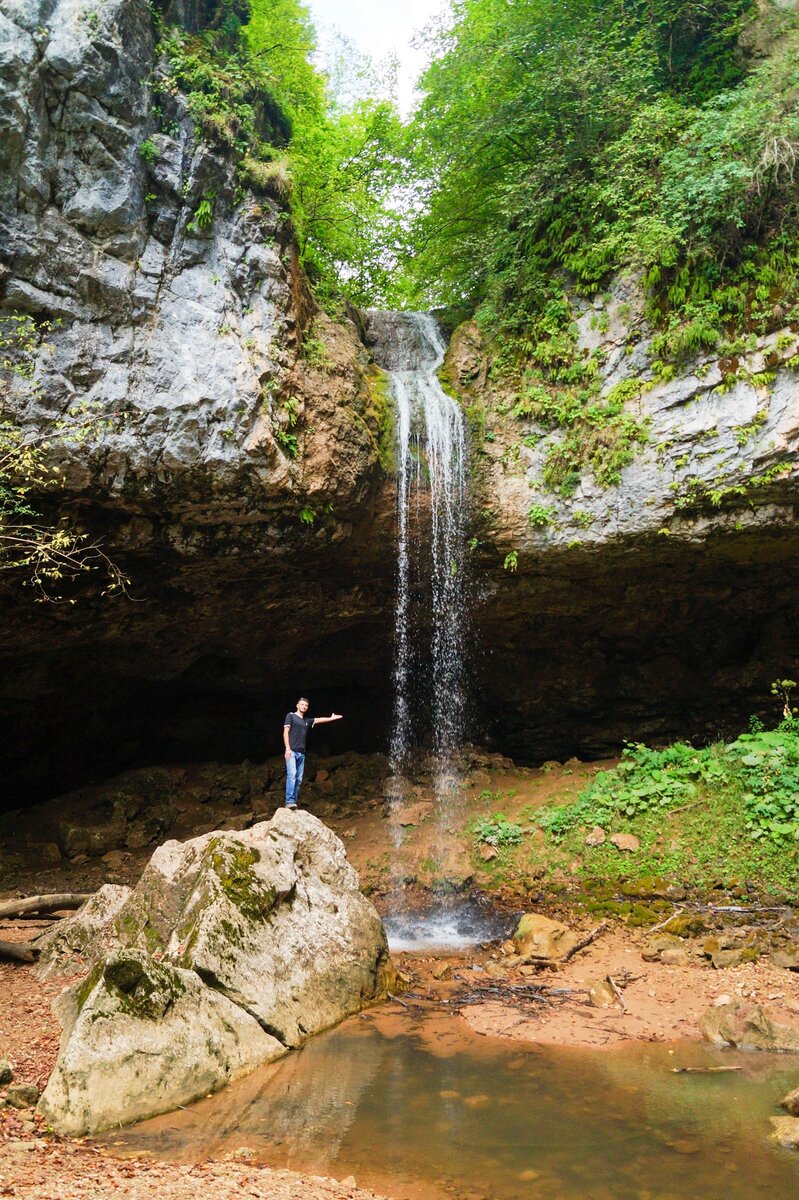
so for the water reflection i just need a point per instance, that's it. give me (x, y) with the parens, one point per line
(418, 1106)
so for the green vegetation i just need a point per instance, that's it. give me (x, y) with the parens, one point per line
(584, 138)
(497, 831)
(559, 144)
(758, 774)
(317, 143)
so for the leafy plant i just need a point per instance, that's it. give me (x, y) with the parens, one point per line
(148, 151)
(539, 516)
(497, 830)
(511, 561)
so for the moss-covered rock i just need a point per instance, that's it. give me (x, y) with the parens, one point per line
(141, 1037)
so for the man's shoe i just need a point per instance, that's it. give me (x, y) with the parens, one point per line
(291, 806)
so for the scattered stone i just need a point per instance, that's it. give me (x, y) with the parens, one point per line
(685, 925)
(787, 958)
(658, 944)
(596, 837)
(652, 888)
(322, 775)
(791, 1102)
(487, 852)
(6, 1072)
(496, 971)
(48, 852)
(626, 842)
(733, 958)
(747, 1027)
(441, 970)
(349, 1181)
(601, 993)
(22, 1095)
(721, 1000)
(677, 956)
(540, 938)
(786, 1132)
(508, 948)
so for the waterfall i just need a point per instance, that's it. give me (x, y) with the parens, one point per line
(430, 609)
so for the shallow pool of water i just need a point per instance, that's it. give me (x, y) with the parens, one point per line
(417, 1106)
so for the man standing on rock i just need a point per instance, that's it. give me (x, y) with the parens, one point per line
(295, 731)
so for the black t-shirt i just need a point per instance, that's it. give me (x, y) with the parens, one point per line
(298, 730)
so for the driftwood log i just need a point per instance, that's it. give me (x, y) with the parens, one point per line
(43, 904)
(19, 951)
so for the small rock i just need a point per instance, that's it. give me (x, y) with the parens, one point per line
(507, 948)
(596, 837)
(6, 1072)
(722, 1000)
(600, 993)
(22, 1095)
(114, 858)
(659, 943)
(441, 970)
(626, 842)
(78, 860)
(676, 956)
(786, 1132)
(733, 958)
(322, 775)
(538, 937)
(787, 958)
(791, 1102)
(349, 1181)
(49, 852)
(16, 1144)
(487, 852)
(748, 1027)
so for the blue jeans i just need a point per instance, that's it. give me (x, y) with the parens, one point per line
(294, 769)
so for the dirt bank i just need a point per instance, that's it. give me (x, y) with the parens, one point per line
(657, 1002)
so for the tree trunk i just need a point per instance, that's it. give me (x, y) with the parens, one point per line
(44, 904)
(19, 951)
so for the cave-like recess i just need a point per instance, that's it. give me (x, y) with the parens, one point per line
(576, 655)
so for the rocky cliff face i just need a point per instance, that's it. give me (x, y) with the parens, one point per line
(658, 604)
(233, 468)
(232, 458)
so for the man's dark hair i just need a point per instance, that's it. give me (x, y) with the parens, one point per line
(305, 698)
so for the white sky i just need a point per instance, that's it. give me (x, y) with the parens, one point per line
(380, 28)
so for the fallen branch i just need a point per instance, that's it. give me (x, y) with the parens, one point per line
(397, 1000)
(702, 1070)
(19, 951)
(583, 942)
(39, 904)
(617, 993)
(662, 924)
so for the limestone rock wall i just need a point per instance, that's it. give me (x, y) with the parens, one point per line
(234, 477)
(660, 606)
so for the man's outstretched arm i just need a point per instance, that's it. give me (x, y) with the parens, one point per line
(324, 720)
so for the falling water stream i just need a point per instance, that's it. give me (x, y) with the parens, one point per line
(431, 612)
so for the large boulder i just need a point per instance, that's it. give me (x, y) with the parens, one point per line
(142, 1037)
(271, 916)
(232, 948)
(747, 1027)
